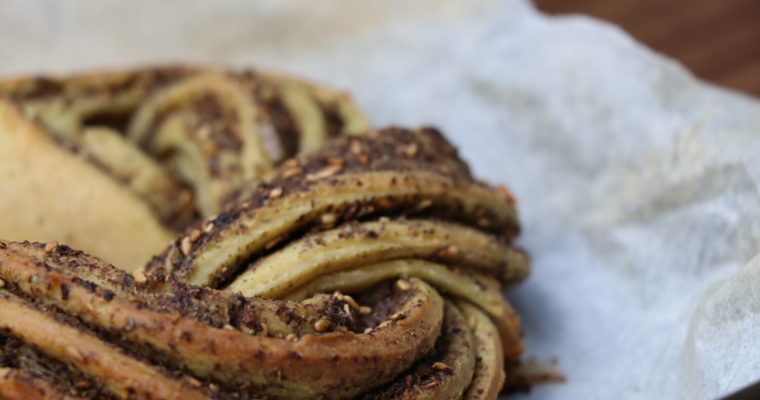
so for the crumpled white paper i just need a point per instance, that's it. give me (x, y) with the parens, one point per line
(637, 183)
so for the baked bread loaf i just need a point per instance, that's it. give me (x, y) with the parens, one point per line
(369, 266)
(154, 150)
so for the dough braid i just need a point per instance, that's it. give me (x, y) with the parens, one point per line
(371, 266)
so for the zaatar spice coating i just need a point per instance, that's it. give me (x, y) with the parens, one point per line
(489, 367)
(114, 104)
(229, 357)
(390, 204)
(354, 190)
(217, 130)
(325, 252)
(370, 266)
(443, 374)
(43, 373)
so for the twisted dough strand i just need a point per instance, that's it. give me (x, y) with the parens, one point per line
(180, 141)
(371, 267)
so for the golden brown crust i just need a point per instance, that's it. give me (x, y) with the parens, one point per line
(337, 364)
(385, 244)
(323, 190)
(446, 373)
(489, 370)
(475, 287)
(190, 172)
(50, 195)
(358, 244)
(16, 384)
(118, 373)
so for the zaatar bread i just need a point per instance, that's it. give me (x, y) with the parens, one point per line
(122, 337)
(371, 267)
(178, 143)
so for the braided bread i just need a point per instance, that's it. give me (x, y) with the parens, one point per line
(368, 267)
(156, 148)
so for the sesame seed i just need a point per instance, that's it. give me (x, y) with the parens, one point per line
(440, 366)
(325, 172)
(275, 193)
(424, 204)
(2, 283)
(449, 251)
(291, 337)
(50, 247)
(472, 322)
(229, 327)
(356, 147)
(186, 246)
(411, 150)
(403, 284)
(322, 325)
(209, 227)
(195, 235)
(291, 172)
(328, 219)
(365, 310)
(139, 276)
(348, 299)
(193, 382)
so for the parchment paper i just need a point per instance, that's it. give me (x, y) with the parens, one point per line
(638, 184)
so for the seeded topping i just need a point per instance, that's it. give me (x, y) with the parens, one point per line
(50, 247)
(349, 271)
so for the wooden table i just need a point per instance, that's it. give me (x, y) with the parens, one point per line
(719, 40)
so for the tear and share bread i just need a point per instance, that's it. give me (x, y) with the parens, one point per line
(267, 243)
(117, 163)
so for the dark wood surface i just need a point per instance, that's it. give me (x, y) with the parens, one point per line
(719, 40)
